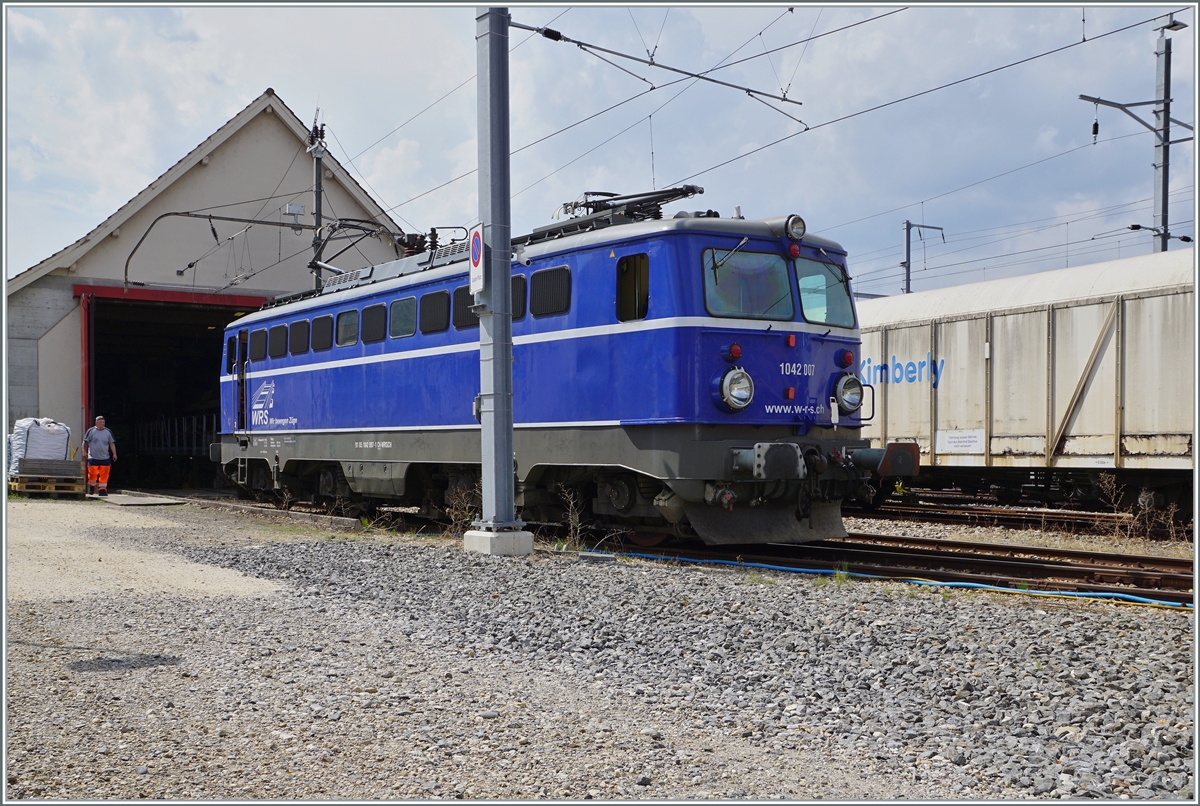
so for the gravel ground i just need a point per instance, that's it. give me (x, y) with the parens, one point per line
(393, 667)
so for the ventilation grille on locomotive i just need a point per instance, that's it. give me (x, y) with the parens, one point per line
(435, 312)
(550, 291)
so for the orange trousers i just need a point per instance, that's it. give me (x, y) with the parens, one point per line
(98, 475)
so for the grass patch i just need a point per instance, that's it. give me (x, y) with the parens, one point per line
(754, 577)
(841, 574)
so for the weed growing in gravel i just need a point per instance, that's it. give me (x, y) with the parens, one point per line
(820, 582)
(841, 575)
(568, 545)
(753, 577)
(1145, 521)
(573, 513)
(463, 506)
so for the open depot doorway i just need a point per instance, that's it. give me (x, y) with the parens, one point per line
(152, 368)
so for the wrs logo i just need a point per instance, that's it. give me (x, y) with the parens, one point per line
(262, 402)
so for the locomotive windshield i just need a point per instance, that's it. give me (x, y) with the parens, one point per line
(824, 293)
(747, 285)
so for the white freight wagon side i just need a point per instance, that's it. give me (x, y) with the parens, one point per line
(1076, 369)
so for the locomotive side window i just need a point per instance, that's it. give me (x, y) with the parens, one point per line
(277, 339)
(550, 291)
(435, 312)
(322, 333)
(518, 297)
(633, 287)
(824, 293)
(374, 323)
(347, 328)
(258, 345)
(463, 316)
(230, 354)
(298, 339)
(747, 285)
(403, 318)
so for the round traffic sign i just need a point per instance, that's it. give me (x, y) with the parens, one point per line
(476, 248)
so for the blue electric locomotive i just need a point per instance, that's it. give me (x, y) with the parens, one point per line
(693, 374)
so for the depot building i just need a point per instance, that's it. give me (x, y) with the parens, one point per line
(127, 321)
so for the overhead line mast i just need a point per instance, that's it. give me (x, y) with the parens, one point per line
(1161, 129)
(498, 531)
(316, 147)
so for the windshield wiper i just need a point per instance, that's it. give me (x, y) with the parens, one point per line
(718, 264)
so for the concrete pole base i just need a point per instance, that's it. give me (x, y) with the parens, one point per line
(509, 544)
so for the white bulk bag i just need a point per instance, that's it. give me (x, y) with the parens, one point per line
(34, 438)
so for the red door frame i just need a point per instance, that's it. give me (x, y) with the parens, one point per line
(88, 294)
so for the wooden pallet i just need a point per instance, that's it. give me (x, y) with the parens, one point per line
(51, 486)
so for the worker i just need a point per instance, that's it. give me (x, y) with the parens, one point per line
(99, 451)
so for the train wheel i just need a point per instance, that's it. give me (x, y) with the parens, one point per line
(647, 540)
(1007, 496)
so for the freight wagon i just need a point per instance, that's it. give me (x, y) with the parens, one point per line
(1037, 385)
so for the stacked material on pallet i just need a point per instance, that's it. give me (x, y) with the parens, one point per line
(52, 468)
(34, 438)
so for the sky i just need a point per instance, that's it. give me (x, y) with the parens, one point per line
(99, 101)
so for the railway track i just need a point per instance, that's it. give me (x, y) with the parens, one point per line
(982, 515)
(1161, 579)
(1017, 567)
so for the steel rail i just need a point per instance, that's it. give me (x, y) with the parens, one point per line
(1144, 561)
(1009, 517)
(891, 571)
(1008, 567)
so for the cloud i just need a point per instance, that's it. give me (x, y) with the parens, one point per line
(102, 100)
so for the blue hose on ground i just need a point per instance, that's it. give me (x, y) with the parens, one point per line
(1119, 598)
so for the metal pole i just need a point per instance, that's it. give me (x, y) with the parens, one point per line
(907, 264)
(316, 140)
(494, 303)
(1161, 129)
(1162, 148)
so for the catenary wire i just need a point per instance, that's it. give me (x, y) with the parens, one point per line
(702, 76)
(636, 28)
(654, 112)
(644, 92)
(894, 272)
(661, 28)
(959, 236)
(909, 98)
(365, 181)
(820, 11)
(1085, 215)
(981, 181)
(1093, 249)
(444, 97)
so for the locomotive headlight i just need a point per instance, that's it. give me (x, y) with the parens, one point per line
(737, 389)
(849, 393)
(794, 227)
